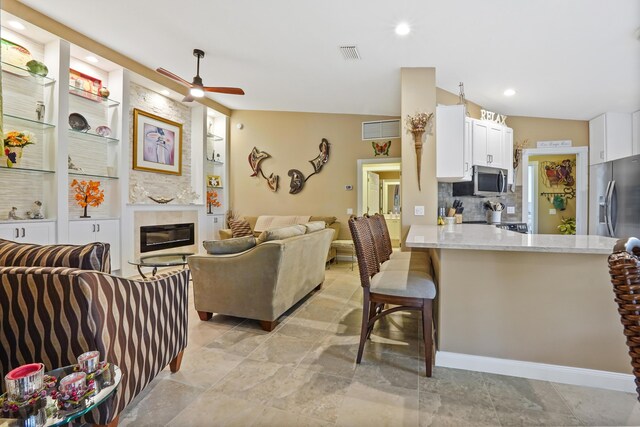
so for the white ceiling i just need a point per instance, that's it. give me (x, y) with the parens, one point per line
(570, 59)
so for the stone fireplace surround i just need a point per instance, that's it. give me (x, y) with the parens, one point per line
(143, 218)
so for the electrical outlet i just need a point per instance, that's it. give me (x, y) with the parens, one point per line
(511, 209)
(349, 211)
(552, 211)
(418, 210)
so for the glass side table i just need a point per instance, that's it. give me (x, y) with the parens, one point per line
(48, 414)
(162, 260)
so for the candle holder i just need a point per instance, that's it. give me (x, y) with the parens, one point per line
(88, 362)
(24, 381)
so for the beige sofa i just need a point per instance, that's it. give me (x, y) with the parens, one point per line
(330, 221)
(262, 282)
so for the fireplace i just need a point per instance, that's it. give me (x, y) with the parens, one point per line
(157, 237)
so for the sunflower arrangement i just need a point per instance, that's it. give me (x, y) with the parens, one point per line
(88, 193)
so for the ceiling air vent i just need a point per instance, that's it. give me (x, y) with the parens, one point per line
(350, 52)
(381, 129)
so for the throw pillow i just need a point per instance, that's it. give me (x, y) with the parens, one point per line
(239, 227)
(229, 246)
(282, 233)
(327, 219)
(92, 256)
(314, 226)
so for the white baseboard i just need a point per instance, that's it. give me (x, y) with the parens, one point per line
(538, 371)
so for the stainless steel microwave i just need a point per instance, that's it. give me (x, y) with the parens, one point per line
(485, 181)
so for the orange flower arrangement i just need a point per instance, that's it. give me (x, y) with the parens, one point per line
(88, 194)
(212, 200)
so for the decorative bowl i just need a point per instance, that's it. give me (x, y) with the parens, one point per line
(78, 122)
(103, 130)
(25, 380)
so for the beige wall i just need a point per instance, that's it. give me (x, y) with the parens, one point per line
(418, 94)
(292, 140)
(447, 98)
(548, 223)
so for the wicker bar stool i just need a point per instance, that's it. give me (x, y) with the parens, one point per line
(624, 267)
(405, 289)
(389, 260)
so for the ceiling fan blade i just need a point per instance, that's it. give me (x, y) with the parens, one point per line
(169, 74)
(188, 98)
(228, 90)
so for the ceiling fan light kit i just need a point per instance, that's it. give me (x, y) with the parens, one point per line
(196, 87)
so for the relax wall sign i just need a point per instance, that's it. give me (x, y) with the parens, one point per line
(493, 117)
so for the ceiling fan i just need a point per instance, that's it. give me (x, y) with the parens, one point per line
(196, 89)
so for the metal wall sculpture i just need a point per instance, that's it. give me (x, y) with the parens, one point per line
(255, 158)
(297, 178)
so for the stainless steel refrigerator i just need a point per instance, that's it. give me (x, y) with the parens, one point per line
(614, 198)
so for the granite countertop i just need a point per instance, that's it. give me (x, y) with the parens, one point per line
(491, 238)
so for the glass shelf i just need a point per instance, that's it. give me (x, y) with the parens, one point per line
(24, 73)
(214, 137)
(19, 169)
(92, 97)
(92, 136)
(215, 162)
(90, 175)
(215, 188)
(28, 122)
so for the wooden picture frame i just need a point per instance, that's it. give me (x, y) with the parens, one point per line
(157, 144)
(214, 181)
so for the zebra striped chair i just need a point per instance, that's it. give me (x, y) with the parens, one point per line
(52, 314)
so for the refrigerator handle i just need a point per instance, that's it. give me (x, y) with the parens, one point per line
(609, 208)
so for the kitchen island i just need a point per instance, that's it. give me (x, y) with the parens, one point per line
(538, 306)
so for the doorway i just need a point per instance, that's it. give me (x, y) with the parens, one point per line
(379, 191)
(554, 185)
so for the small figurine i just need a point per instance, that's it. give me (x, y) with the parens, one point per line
(71, 166)
(40, 111)
(13, 213)
(36, 211)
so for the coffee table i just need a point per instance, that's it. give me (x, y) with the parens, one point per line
(162, 260)
(48, 415)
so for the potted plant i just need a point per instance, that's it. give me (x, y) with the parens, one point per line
(87, 193)
(212, 200)
(568, 226)
(14, 142)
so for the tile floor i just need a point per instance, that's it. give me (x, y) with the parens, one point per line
(304, 374)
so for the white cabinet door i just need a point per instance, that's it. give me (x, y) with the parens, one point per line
(468, 147)
(82, 232)
(39, 233)
(479, 137)
(507, 150)
(452, 144)
(108, 231)
(596, 140)
(618, 136)
(494, 146)
(635, 133)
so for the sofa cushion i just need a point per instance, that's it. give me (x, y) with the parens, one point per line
(315, 226)
(240, 227)
(267, 222)
(327, 219)
(282, 233)
(229, 246)
(92, 256)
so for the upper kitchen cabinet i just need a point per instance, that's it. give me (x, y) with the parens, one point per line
(507, 153)
(610, 137)
(487, 141)
(636, 133)
(453, 144)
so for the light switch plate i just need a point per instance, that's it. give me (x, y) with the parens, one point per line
(418, 210)
(552, 211)
(349, 211)
(511, 209)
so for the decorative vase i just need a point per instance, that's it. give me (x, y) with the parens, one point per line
(417, 139)
(14, 154)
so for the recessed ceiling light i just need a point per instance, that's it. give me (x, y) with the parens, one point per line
(91, 59)
(17, 25)
(165, 92)
(402, 29)
(509, 92)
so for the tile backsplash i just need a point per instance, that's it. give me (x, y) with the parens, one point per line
(473, 206)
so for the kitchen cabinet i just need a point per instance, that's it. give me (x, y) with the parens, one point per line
(453, 144)
(610, 137)
(487, 141)
(635, 133)
(39, 233)
(106, 231)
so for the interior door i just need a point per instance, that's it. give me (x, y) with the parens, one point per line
(373, 193)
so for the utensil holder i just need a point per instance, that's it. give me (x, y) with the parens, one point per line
(494, 217)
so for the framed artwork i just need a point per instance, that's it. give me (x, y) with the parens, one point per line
(157, 144)
(214, 181)
(84, 85)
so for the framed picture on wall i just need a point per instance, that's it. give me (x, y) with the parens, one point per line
(214, 181)
(157, 144)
